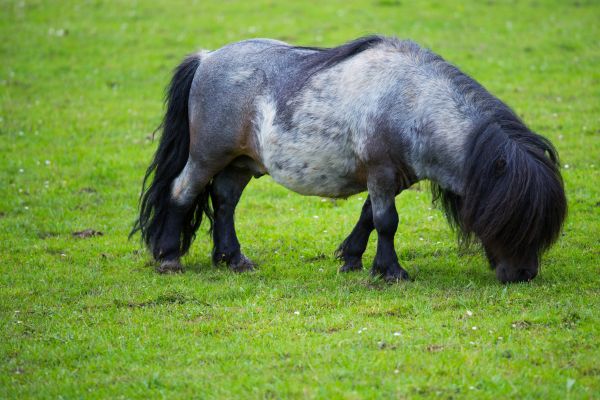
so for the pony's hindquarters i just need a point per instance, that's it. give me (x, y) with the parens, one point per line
(205, 129)
(168, 223)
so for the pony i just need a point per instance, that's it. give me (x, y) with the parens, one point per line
(376, 114)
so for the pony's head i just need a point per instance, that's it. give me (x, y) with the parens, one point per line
(513, 201)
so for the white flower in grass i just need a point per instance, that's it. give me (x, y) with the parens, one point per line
(570, 384)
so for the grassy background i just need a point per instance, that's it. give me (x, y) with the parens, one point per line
(81, 84)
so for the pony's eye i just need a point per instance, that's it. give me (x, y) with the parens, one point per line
(500, 166)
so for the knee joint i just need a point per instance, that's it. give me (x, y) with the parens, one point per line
(386, 221)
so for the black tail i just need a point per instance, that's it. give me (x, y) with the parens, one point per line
(168, 162)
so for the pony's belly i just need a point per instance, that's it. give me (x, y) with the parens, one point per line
(312, 178)
(323, 185)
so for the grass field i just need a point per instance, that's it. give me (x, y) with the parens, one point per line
(81, 84)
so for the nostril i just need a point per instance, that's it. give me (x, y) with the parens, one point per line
(528, 274)
(525, 275)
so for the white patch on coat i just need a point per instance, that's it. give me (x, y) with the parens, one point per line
(265, 123)
(183, 187)
(241, 76)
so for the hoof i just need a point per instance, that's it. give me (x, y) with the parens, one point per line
(169, 267)
(394, 277)
(391, 274)
(242, 265)
(353, 265)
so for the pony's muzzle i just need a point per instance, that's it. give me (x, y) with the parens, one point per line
(510, 273)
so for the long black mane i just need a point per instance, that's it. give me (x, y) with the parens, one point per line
(514, 197)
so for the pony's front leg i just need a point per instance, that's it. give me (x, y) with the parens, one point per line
(225, 192)
(353, 247)
(382, 189)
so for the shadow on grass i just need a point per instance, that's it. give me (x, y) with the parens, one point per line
(435, 268)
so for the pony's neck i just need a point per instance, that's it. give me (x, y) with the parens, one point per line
(442, 150)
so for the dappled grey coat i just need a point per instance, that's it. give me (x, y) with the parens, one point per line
(375, 114)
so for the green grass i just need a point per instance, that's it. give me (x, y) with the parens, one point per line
(81, 84)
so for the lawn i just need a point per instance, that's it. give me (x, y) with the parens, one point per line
(81, 86)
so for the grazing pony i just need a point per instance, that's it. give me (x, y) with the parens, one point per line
(375, 114)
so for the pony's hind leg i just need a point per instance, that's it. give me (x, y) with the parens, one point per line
(382, 190)
(188, 201)
(167, 249)
(353, 247)
(226, 190)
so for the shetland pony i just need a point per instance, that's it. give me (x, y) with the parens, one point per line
(376, 114)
